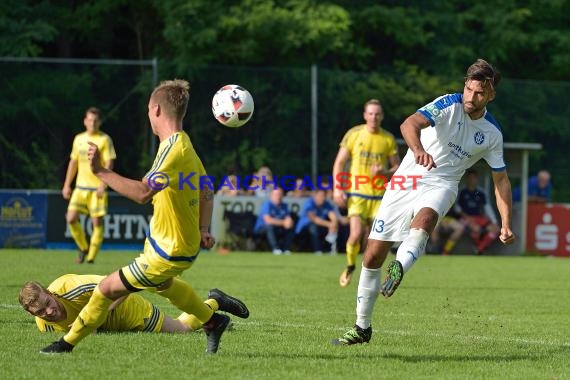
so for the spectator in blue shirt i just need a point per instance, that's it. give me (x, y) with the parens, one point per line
(319, 219)
(276, 223)
(539, 188)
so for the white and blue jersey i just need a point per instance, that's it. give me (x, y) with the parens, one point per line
(455, 142)
(280, 211)
(310, 206)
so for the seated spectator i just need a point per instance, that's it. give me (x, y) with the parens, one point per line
(476, 213)
(449, 225)
(319, 219)
(539, 188)
(276, 223)
(230, 187)
(342, 216)
(262, 185)
(300, 191)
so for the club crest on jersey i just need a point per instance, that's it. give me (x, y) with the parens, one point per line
(479, 138)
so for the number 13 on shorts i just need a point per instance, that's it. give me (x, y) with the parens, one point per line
(378, 225)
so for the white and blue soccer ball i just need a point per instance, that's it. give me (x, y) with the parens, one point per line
(232, 105)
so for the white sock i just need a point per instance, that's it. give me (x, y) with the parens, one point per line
(412, 248)
(368, 291)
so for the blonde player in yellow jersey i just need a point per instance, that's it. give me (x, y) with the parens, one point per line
(57, 306)
(372, 152)
(178, 228)
(90, 195)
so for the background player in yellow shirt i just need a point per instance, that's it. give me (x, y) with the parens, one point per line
(56, 307)
(178, 228)
(89, 196)
(372, 151)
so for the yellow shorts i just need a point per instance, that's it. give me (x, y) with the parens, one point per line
(149, 270)
(447, 221)
(86, 202)
(134, 314)
(363, 207)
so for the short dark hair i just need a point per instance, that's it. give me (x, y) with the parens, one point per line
(94, 110)
(484, 72)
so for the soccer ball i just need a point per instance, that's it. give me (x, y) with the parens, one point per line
(232, 105)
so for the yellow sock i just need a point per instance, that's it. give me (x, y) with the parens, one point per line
(213, 304)
(191, 321)
(449, 246)
(96, 241)
(351, 253)
(185, 298)
(78, 236)
(91, 316)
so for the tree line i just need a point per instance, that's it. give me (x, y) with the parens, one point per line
(402, 52)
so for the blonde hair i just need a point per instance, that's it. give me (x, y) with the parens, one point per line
(375, 102)
(30, 293)
(172, 96)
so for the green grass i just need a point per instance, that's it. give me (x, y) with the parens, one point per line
(452, 317)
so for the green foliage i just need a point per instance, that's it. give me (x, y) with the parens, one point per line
(35, 166)
(22, 29)
(444, 322)
(254, 32)
(42, 108)
(403, 54)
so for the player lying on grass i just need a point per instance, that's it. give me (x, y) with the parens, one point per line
(56, 307)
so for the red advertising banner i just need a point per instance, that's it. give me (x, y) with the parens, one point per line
(548, 229)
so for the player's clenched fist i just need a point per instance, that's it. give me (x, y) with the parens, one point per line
(206, 240)
(507, 236)
(94, 158)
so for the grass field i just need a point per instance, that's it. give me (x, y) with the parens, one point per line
(452, 317)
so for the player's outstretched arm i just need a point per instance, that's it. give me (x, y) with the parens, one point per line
(504, 205)
(138, 191)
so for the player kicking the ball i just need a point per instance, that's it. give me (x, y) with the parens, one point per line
(445, 137)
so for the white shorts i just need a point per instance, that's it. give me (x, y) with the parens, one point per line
(395, 214)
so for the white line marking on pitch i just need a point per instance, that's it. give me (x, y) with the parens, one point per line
(9, 306)
(539, 342)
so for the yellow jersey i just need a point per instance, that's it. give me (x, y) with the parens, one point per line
(174, 231)
(74, 291)
(367, 149)
(86, 180)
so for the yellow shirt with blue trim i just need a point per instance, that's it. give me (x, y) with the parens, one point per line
(174, 231)
(367, 149)
(85, 177)
(74, 291)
